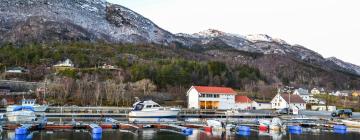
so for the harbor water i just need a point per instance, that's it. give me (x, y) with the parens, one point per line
(158, 134)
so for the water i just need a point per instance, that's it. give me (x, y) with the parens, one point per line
(155, 134)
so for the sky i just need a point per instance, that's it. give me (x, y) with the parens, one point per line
(329, 27)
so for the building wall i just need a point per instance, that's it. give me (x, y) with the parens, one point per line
(243, 106)
(278, 102)
(260, 106)
(193, 99)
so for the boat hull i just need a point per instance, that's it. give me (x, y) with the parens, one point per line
(21, 116)
(154, 114)
(353, 124)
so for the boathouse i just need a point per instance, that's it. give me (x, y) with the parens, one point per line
(243, 102)
(281, 101)
(207, 97)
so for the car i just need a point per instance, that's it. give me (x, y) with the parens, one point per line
(284, 111)
(341, 112)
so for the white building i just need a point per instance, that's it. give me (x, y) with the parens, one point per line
(66, 63)
(315, 91)
(261, 105)
(243, 102)
(205, 97)
(288, 101)
(304, 94)
(342, 93)
(323, 108)
(16, 70)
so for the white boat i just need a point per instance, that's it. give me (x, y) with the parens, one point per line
(348, 123)
(151, 109)
(215, 125)
(21, 114)
(275, 124)
(28, 102)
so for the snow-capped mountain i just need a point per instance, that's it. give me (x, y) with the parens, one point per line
(44, 21)
(57, 20)
(345, 65)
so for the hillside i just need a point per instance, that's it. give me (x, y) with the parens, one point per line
(36, 34)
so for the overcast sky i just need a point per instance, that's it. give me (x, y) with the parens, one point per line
(329, 27)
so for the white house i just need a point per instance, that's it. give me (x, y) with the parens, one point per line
(261, 105)
(315, 91)
(16, 70)
(243, 102)
(206, 97)
(66, 63)
(304, 94)
(342, 93)
(288, 101)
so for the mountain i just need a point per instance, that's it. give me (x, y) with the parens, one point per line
(44, 21)
(90, 20)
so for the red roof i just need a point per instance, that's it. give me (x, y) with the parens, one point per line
(293, 98)
(242, 99)
(215, 90)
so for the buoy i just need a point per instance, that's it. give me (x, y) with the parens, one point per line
(20, 137)
(97, 130)
(295, 131)
(263, 128)
(243, 133)
(207, 129)
(96, 136)
(295, 128)
(243, 128)
(187, 131)
(20, 131)
(340, 131)
(339, 127)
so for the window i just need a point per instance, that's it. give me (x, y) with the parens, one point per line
(148, 106)
(156, 106)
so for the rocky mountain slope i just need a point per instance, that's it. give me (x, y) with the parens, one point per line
(24, 21)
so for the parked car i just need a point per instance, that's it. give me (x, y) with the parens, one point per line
(284, 111)
(341, 112)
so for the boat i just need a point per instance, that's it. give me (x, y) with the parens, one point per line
(351, 123)
(275, 124)
(21, 114)
(28, 102)
(151, 109)
(215, 125)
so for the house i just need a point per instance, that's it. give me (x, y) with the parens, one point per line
(323, 108)
(344, 93)
(207, 97)
(107, 66)
(16, 70)
(243, 102)
(315, 91)
(304, 94)
(65, 64)
(285, 101)
(257, 105)
(356, 94)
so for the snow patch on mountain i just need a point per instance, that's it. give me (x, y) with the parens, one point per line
(345, 65)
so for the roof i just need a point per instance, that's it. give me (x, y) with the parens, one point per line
(242, 99)
(215, 90)
(293, 98)
(302, 91)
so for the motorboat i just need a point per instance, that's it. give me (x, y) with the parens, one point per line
(30, 103)
(21, 114)
(351, 123)
(275, 124)
(151, 109)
